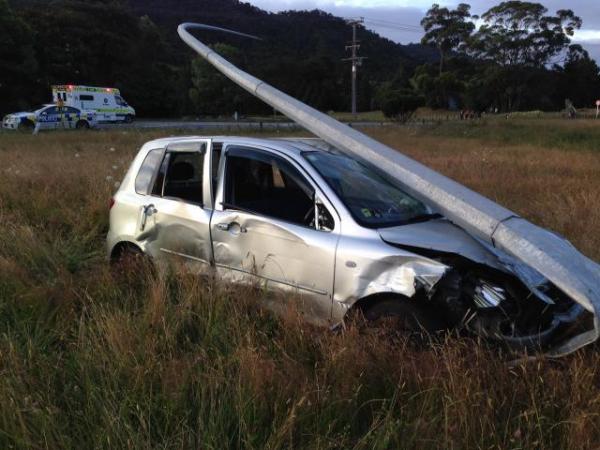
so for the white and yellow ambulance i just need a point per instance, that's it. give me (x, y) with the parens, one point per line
(107, 103)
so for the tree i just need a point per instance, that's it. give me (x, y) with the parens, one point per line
(517, 33)
(17, 57)
(519, 40)
(212, 93)
(580, 78)
(437, 90)
(398, 103)
(447, 29)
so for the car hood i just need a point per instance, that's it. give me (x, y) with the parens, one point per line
(441, 235)
(19, 115)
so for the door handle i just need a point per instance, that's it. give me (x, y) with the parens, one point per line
(232, 227)
(223, 226)
(147, 211)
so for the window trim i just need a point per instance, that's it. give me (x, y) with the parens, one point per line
(154, 175)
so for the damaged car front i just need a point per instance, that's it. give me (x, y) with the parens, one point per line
(401, 249)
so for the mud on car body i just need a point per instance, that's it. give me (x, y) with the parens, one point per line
(301, 216)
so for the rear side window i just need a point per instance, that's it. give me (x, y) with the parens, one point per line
(86, 98)
(147, 171)
(184, 177)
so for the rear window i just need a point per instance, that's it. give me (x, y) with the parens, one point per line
(147, 171)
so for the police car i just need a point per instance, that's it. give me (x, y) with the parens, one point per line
(50, 117)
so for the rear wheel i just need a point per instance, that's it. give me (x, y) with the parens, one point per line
(82, 125)
(129, 261)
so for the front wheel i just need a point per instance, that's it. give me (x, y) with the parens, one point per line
(26, 126)
(82, 125)
(128, 118)
(400, 316)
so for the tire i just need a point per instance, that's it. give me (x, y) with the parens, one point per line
(82, 125)
(128, 118)
(26, 126)
(130, 262)
(402, 316)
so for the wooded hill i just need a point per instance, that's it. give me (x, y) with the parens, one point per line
(134, 46)
(518, 57)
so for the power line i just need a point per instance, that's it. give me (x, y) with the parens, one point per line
(394, 27)
(355, 59)
(395, 24)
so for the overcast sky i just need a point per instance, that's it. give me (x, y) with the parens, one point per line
(399, 20)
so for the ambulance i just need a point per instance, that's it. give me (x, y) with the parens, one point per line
(107, 103)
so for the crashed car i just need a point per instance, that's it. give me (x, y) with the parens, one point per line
(50, 117)
(298, 215)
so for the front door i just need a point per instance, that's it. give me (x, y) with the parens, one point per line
(264, 230)
(176, 219)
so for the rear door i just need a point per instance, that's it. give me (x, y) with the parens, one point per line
(264, 229)
(175, 222)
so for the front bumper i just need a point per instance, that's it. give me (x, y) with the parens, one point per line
(10, 124)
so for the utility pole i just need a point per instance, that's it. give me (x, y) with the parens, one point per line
(355, 59)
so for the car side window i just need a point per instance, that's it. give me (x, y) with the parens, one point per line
(147, 171)
(266, 184)
(183, 179)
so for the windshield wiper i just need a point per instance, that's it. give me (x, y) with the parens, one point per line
(422, 218)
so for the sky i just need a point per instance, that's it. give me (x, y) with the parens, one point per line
(399, 20)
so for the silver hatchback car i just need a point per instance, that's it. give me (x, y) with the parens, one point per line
(297, 215)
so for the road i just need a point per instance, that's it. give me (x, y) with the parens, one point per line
(223, 125)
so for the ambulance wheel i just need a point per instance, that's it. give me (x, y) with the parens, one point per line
(128, 118)
(82, 125)
(26, 126)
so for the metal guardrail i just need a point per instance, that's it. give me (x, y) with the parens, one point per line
(549, 254)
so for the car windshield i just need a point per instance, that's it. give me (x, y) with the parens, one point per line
(372, 199)
(36, 109)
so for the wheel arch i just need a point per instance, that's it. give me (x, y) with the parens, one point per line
(120, 247)
(364, 303)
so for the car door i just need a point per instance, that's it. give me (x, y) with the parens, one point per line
(174, 223)
(48, 118)
(264, 229)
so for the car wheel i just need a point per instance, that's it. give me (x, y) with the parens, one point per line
(128, 118)
(129, 261)
(400, 316)
(82, 125)
(26, 126)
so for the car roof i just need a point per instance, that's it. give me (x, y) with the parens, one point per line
(288, 145)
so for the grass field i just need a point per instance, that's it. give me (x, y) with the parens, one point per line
(92, 360)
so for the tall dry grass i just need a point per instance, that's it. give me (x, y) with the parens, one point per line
(93, 360)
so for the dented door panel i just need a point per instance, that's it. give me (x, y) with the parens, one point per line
(281, 256)
(179, 232)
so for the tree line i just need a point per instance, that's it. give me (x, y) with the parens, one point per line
(520, 57)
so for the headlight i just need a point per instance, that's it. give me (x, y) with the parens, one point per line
(488, 296)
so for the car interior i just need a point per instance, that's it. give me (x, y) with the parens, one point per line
(184, 177)
(273, 188)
